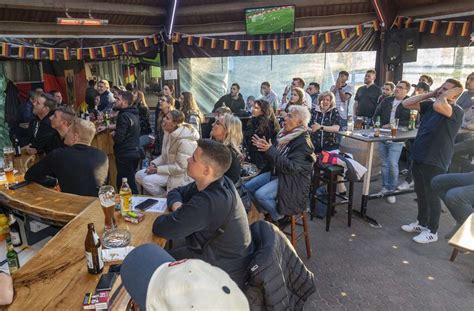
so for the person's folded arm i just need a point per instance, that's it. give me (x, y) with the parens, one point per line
(413, 102)
(181, 194)
(42, 171)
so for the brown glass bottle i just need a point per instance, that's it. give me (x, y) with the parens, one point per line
(93, 247)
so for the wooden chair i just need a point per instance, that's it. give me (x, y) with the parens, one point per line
(300, 220)
(463, 239)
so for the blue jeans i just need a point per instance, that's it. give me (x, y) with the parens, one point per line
(263, 189)
(457, 192)
(389, 155)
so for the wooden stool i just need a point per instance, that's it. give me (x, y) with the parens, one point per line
(328, 174)
(463, 239)
(293, 234)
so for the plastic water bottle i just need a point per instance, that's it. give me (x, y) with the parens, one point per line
(350, 124)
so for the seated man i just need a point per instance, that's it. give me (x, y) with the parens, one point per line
(209, 214)
(79, 168)
(61, 120)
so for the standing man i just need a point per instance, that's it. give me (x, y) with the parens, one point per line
(367, 95)
(233, 100)
(313, 91)
(432, 152)
(343, 92)
(297, 82)
(106, 97)
(79, 169)
(91, 94)
(269, 95)
(126, 139)
(209, 214)
(389, 110)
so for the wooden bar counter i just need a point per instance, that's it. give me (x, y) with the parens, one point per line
(57, 278)
(105, 142)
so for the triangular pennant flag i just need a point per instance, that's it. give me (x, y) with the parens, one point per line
(423, 24)
(301, 42)
(249, 45)
(376, 25)
(465, 29)
(91, 53)
(314, 39)
(125, 47)
(190, 40)
(408, 22)
(21, 51)
(66, 54)
(36, 53)
(5, 49)
(344, 34)
(276, 44)
(146, 42)
(200, 42)
(359, 30)
(261, 47)
(52, 54)
(213, 43)
(237, 45)
(398, 21)
(155, 39)
(327, 37)
(103, 51)
(115, 50)
(226, 44)
(79, 54)
(434, 27)
(176, 38)
(136, 45)
(287, 43)
(450, 29)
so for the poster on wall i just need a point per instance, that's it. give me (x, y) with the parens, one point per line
(68, 77)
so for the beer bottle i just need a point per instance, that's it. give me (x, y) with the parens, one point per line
(12, 257)
(377, 127)
(125, 197)
(15, 232)
(16, 144)
(95, 263)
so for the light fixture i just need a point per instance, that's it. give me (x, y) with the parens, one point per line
(71, 21)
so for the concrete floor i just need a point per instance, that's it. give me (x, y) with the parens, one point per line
(363, 268)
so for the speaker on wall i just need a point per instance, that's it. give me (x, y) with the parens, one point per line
(401, 46)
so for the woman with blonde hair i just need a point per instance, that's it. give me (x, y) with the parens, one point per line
(192, 114)
(325, 123)
(228, 130)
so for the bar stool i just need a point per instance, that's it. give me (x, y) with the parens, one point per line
(300, 220)
(328, 173)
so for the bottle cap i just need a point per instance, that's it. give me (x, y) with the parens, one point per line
(124, 179)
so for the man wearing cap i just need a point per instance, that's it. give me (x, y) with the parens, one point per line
(155, 281)
(421, 88)
(209, 214)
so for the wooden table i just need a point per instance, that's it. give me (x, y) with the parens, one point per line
(57, 278)
(105, 142)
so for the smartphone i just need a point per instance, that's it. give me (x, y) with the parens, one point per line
(19, 185)
(146, 204)
(106, 282)
(115, 268)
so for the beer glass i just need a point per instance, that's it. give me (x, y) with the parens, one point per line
(8, 154)
(394, 127)
(107, 200)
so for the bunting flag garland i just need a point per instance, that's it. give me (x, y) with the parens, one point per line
(249, 45)
(213, 43)
(5, 49)
(91, 53)
(465, 29)
(359, 30)
(237, 45)
(398, 21)
(103, 52)
(450, 29)
(301, 42)
(136, 45)
(261, 47)
(21, 52)
(79, 54)
(226, 44)
(376, 25)
(52, 54)
(66, 54)
(327, 37)
(314, 40)
(125, 47)
(155, 39)
(176, 38)
(201, 42)
(344, 34)
(276, 44)
(409, 22)
(115, 50)
(288, 43)
(190, 40)
(36, 53)
(146, 42)
(423, 24)
(434, 27)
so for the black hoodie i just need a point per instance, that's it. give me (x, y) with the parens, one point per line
(236, 105)
(127, 134)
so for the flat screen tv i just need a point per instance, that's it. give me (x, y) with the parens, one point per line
(270, 20)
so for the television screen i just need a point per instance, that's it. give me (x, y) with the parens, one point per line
(261, 21)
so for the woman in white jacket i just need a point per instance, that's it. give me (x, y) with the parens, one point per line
(168, 171)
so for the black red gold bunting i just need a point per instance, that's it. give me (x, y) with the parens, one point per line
(155, 39)
(66, 54)
(314, 40)
(136, 45)
(146, 42)
(176, 38)
(301, 42)
(327, 37)
(52, 54)
(237, 45)
(213, 43)
(200, 42)
(434, 27)
(190, 40)
(465, 29)
(36, 53)
(5, 50)
(249, 45)
(398, 21)
(423, 25)
(450, 29)
(91, 53)
(226, 44)
(275, 44)
(344, 34)
(103, 52)
(376, 25)
(408, 22)
(79, 54)
(115, 50)
(125, 47)
(359, 30)
(261, 46)
(21, 52)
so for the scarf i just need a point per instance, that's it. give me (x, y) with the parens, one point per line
(284, 137)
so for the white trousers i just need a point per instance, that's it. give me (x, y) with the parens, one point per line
(154, 184)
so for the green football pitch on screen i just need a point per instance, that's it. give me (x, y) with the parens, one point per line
(280, 20)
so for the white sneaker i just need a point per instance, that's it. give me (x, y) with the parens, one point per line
(391, 199)
(405, 185)
(425, 237)
(414, 227)
(381, 192)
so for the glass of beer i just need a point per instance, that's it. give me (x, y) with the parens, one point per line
(107, 200)
(8, 155)
(394, 127)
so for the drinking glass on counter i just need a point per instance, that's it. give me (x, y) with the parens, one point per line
(394, 127)
(107, 200)
(8, 154)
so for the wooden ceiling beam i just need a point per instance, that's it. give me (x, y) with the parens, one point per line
(28, 28)
(240, 6)
(302, 23)
(439, 9)
(80, 6)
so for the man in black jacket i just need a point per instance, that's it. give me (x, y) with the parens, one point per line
(126, 139)
(42, 138)
(233, 100)
(79, 168)
(209, 214)
(388, 111)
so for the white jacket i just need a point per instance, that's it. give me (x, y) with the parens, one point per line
(177, 147)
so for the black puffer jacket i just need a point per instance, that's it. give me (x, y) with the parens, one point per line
(127, 134)
(293, 167)
(257, 157)
(279, 280)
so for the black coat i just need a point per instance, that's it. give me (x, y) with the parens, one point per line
(278, 280)
(236, 105)
(46, 138)
(385, 108)
(257, 157)
(144, 114)
(79, 169)
(293, 167)
(127, 134)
